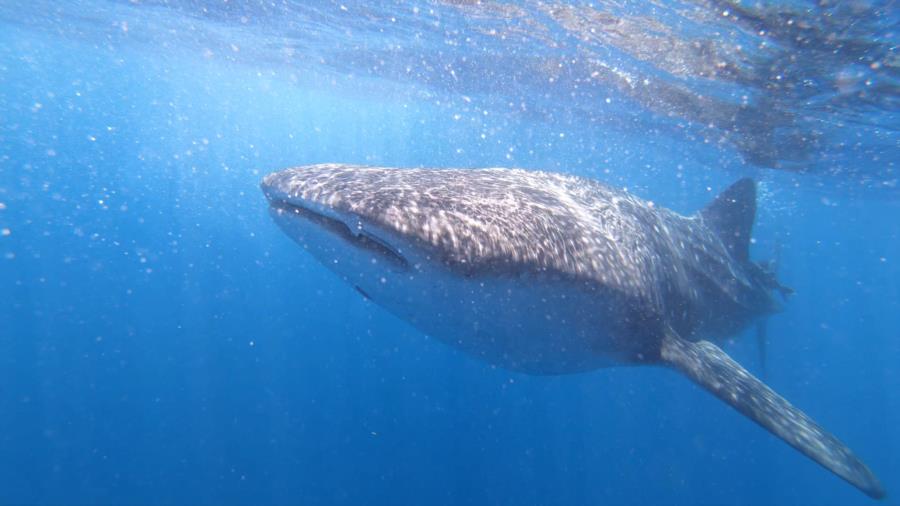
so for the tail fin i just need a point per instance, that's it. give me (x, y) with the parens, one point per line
(715, 371)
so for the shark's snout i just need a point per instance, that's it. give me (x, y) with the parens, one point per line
(319, 188)
(311, 214)
(275, 188)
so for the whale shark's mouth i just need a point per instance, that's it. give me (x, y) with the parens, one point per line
(357, 236)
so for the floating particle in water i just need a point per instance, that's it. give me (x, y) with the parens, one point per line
(5, 232)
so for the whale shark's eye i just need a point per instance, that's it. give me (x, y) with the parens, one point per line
(359, 237)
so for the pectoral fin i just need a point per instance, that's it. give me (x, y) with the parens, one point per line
(715, 371)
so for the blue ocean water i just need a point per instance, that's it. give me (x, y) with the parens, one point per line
(162, 342)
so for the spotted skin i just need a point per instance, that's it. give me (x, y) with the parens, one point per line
(516, 221)
(665, 284)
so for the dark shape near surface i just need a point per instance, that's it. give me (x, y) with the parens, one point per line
(550, 274)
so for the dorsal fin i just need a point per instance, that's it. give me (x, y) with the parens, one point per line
(731, 217)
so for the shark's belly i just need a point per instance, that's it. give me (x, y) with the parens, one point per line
(523, 323)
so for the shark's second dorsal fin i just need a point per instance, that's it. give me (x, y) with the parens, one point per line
(715, 371)
(731, 216)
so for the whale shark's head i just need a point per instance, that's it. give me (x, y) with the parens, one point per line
(327, 218)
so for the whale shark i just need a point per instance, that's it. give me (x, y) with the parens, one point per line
(548, 274)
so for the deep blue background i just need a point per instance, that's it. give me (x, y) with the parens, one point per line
(161, 342)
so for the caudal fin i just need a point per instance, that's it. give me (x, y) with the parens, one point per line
(715, 371)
